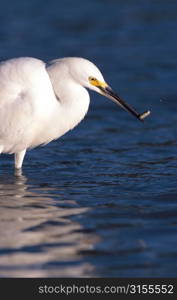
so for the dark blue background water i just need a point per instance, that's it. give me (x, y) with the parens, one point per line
(102, 200)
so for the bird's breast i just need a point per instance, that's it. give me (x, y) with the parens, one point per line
(74, 111)
(67, 113)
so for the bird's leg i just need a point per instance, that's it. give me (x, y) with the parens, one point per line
(19, 156)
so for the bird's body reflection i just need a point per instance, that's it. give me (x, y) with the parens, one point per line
(38, 234)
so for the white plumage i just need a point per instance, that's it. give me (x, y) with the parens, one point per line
(40, 103)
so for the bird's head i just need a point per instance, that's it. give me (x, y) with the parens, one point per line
(88, 75)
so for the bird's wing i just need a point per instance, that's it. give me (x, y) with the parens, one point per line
(25, 88)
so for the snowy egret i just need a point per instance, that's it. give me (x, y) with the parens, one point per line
(40, 102)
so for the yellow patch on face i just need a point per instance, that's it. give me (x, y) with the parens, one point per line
(98, 83)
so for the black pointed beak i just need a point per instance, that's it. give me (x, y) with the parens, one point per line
(108, 92)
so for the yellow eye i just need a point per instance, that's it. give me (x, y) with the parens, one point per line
(95, 82)
(92, 79)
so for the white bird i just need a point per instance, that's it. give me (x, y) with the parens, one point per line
(40, 102)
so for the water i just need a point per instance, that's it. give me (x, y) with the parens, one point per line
(102, 200)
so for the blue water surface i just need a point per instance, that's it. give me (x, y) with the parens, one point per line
(102, 200)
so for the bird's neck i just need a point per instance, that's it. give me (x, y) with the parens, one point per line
(73, 102)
